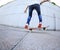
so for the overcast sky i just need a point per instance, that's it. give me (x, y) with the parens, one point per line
(2, 2)
(5, 1)
(56, 1)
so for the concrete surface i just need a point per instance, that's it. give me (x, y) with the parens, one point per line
(16, 39)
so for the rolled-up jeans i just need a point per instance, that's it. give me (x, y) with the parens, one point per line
(31, 8)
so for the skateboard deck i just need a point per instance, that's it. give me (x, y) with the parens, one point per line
(35, 28)
(44, 28)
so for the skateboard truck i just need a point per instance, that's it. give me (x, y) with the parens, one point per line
(44, 28)
(30, 29)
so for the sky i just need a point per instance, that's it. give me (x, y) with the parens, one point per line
(56, 1)
(2, 2)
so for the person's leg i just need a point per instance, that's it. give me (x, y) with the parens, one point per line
(40, 18)
(40, 21)
(28, 20)
(29, 17)
(39, 15)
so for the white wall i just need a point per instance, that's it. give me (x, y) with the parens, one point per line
(13, 15)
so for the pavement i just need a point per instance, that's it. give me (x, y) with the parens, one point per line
(18, 39)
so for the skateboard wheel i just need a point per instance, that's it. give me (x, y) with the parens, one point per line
(44, 28)
(30, 29)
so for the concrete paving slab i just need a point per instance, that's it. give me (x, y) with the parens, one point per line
(40, 41)
(9, 38)
(17, 39)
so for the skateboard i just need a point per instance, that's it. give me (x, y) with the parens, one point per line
(35, 28)
(44, 28)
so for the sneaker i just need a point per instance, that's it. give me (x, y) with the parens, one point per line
(40, 25)
(26, 27)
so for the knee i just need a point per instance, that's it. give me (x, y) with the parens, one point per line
(39, 13)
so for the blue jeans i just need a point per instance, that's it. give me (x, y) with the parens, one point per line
(37, 8)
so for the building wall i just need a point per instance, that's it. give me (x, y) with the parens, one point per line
(13, 14)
